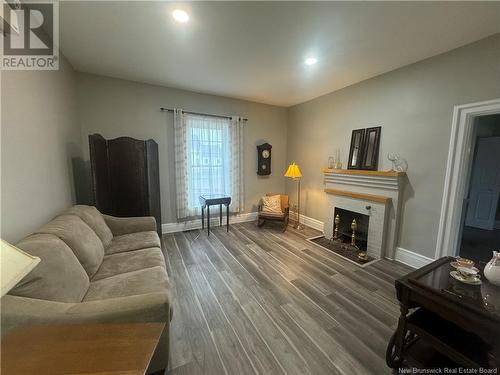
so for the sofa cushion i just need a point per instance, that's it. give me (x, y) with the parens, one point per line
(149, 280)
(80, 238)
(116, 264)
(133, 241)
(58, 277)
(94, 219)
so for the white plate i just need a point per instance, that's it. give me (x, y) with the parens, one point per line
(455, 265)
(458, 277)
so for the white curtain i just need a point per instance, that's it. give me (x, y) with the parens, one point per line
(236, 152)
(181, 157)
(208, 161)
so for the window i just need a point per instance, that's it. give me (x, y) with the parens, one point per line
(208, 160)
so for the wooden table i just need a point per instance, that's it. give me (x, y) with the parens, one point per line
(445, 321)
(212, 200)
(109, 349)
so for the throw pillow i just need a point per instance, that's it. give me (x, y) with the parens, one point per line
(271, 203)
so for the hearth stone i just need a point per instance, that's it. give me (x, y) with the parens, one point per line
(342, 250)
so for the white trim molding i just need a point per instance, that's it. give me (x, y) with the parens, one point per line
(380, 182)
(457, 171)
(411, 259)
(214, 221)
(308, 221)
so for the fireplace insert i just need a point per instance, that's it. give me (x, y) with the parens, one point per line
(345, 231)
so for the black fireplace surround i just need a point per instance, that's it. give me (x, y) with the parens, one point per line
(345, 231)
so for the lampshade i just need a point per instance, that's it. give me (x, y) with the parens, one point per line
(293, 171)
(15, 264)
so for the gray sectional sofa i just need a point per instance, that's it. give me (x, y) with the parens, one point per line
(94, 269)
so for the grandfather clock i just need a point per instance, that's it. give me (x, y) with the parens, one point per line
(264, 159)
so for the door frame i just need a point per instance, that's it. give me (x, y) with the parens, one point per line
(457, 172)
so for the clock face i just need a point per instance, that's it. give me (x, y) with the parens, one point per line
(265, 154)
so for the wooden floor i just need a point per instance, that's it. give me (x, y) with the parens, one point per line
(258, 301)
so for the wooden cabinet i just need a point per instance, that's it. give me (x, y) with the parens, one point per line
(125, 177)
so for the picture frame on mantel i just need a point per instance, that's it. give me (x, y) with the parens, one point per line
(364, 149)
(356, 150)
(371, 148)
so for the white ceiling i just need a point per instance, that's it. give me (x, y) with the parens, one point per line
(256, 50)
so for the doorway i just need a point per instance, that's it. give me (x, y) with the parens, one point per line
(480, 224)
(458, 174)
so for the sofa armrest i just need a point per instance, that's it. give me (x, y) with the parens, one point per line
(144, 308)
(126, 225)
(141, 308)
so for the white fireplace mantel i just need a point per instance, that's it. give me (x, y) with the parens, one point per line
(374, 193)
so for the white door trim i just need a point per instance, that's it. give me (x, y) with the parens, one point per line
(457, 171)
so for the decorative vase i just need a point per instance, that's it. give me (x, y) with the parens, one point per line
(492, 269)
(331, 162)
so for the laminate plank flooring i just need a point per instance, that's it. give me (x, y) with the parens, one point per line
(259, 301)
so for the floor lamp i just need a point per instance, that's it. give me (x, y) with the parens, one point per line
(293, 172)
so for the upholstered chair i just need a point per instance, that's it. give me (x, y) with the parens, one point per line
(275, 216)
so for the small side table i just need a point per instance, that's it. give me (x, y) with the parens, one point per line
(80, 349)
(212, 200)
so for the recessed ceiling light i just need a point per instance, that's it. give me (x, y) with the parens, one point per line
(180, 15)
(311, 61)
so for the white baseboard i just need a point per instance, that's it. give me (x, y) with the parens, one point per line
(214, 221)
(411, 259)
(309, 221)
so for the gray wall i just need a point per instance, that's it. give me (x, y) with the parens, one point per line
(414, 106)
(114, 108)
(47, 116)
(40, 138)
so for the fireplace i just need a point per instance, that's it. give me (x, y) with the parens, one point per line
(345, 231)
(374, 199)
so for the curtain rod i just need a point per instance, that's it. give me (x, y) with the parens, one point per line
(201, 114)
